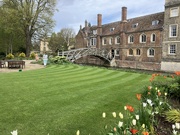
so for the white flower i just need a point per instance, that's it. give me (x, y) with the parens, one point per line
(114, 114)
(78, 132)
(144, 104)
(137, 117)
(121, 115)
(173, 126)
(174, 132)
(125, 107)
(120, 124)
(149, 101)
(143, 125)
(177, 125)
(165, 93)
(103, 114)
(160, 103)
(134, 122)
(156, 88)
(14, 132)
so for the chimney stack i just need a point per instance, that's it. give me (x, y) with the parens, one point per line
(99, 20)
(86, 23)
(124, 14)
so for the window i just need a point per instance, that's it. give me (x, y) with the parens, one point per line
(138, 52)
(134, 25)
(151, 52)
(117, 52)
(155, 22)
(130, 51)
(173, 30)
(143, 38)
(104, 41)
(153, 37)
(94, 32)
(110, 41)
(111, 29)
(130, 39)
(174, 12)
(117, 40)
(93, 41)
(172, 49)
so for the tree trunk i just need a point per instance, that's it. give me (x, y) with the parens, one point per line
(28, 43)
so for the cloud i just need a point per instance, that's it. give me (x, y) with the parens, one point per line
(73, 13)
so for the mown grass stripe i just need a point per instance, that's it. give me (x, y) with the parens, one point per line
(63, 99)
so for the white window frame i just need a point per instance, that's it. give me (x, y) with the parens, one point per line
(174, 12)
(142, 38)
(131, 39)
(117, 52)
(94, 32)
(116, 40)
(110, 40)
(93, 42)
(149, 52)
(138, 52)
(152, 37)
(104, 41)
(155, 22)
(172, 51)
(171, 30)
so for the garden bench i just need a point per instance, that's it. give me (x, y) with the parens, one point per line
(16, 64)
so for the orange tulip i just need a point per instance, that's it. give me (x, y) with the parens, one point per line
(138, 96)
(134, 131)
(130, 108)
(177, 73)
(149, 87)
(159, 93)
(145, 133)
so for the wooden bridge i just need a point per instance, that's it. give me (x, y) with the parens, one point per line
(75, 54)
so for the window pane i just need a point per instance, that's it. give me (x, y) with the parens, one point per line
(173, 30)
(172, 49)
(174, 12)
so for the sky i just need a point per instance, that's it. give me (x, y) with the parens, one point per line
(73, 13)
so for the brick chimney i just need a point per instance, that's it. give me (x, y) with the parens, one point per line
(99, 30)
(99, 20)
(124, 14)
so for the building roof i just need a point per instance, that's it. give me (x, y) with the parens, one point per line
(138, 24)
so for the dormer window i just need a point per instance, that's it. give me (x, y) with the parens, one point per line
(111, 29)
(134, 25)
(94, 32)
(155, 22)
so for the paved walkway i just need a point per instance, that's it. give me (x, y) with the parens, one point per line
(28, 66)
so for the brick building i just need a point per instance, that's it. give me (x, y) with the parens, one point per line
(149, 42)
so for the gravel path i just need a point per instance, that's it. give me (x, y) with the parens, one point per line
(28, 66)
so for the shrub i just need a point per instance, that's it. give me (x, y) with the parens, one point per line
(32, 55)
(58, 60)
(22, 55)
(173, 115)
(10, 56)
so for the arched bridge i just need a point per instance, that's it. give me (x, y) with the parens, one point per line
(75, 54)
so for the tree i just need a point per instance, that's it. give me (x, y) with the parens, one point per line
(35, 17)
(62, 40)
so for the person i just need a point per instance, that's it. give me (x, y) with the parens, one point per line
(45, 59)
(36, 57)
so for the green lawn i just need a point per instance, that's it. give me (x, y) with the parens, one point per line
(60, 100)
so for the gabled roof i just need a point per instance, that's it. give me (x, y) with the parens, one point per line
(144, 23)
